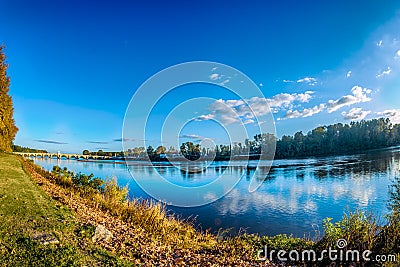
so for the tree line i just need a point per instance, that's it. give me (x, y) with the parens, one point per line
(17, 148)
(340, 139)
(335, 139)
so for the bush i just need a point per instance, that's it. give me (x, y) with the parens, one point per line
(357, 228)
(113, 193)
(88, 183)
(62, 176)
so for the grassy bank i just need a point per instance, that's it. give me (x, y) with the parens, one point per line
(28, 215)
(71, 206)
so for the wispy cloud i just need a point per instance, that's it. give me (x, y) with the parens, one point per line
(221, 78)
(355, 114)
(122, 139)
(50, 142)
(288, 81)
(97, 142)
(359, 95)
(205, 117)
(392, 114)
(397, 55)
(307, 112)
(308, 80)
(191, 136)
(224, 82)
(214, 76)
(348, 74)
(384, 73)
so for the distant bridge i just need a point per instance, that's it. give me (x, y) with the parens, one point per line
(60, 155)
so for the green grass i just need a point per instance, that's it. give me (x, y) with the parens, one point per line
(26, 210)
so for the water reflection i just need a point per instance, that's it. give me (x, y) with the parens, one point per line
(295, 195)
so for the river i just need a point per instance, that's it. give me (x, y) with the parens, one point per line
(294, 198)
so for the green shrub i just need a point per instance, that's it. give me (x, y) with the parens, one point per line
(113, 193)
(357, 228)
(63, 176)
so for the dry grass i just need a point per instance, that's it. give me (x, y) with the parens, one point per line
(144, 232)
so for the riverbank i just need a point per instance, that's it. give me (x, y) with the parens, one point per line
(136, 232)
(33, 204)
(37, 230)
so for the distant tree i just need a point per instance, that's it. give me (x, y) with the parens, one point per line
(150, 151)
(8, 130)
(190, 150)
(86, 152)
(161, 150)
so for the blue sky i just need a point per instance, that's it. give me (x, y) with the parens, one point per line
(75, 66)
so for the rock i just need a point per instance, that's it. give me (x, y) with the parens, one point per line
(102, 234)
(45, 238)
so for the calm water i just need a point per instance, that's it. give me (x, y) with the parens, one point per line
(294, 198)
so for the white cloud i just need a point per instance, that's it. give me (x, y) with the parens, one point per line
(205, 117)
(385, 72)
(192, 136)
(348, 74)
(288, 81)
(230, 111)
(224, 82)
(397, 55)
(309, 80)
(286, 100)
(392, 114)
(248, 121)
(261, 84)
(355, 114)
(307, 112)
(359, 95)
(214, 76)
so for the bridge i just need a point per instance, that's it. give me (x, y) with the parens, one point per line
(60, 155)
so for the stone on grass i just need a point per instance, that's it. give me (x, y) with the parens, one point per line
(45, 238)
(102, 234)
